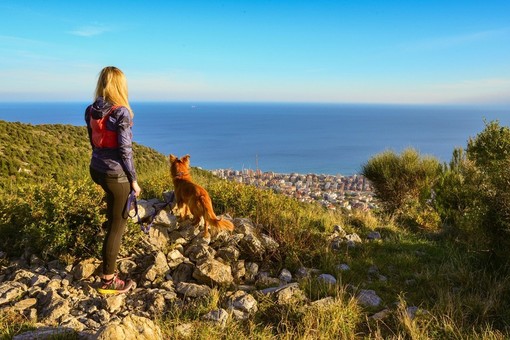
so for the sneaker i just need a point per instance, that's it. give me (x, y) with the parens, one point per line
(114, 286)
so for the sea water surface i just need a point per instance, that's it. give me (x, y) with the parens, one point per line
(281, 137)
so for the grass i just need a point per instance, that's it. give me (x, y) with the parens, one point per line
(12, 323)
(462, 298)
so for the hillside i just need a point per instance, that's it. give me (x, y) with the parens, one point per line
(34, 152)
(349, 275)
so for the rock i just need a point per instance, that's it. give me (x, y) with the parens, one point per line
(126, 266)
(168, 285)
(285, 276)
(198, 252)
(174, 258)
(304, 272)
(337, 243)
(252, 269)
(65, 295)
(25, 276)
(242, 305)
(31, 314)
(25, 304)
(183, 272)
(73, 323)
(54, 283)
(269, 243)
(252, 246)
(151, 273)
(101, 316)
(323, 303)
(327, 279)
(39, 281)
(114, 304)
(353, 239)
(244, 226)
(212, 272)
(160, 264)
(166, 219)
(374, 235)
(90, 323)
(185, 330)
(145, 209)
(192, 290)
(188, 231)
(381, 315)
(290, 294)
(413, 311)
(11, 290)
(229, 254)
(368, 298)
(340, 232)
(238, 271)
(47, 333)
(159, 236)
(219, 316)
(264, 280)
(85, 269)
(56, 309)
(343, 267)
(132, 327)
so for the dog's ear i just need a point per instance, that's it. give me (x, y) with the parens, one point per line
(172, 158)
(185, 159)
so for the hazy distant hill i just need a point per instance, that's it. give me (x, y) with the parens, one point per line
(34, 152)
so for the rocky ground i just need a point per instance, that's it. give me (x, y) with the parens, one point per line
(173, 266)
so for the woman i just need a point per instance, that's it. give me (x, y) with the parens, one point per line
(109, 121)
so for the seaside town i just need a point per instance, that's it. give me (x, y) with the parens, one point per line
(332, 191)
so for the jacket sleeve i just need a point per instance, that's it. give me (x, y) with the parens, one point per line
(89, 129)
(125, 142)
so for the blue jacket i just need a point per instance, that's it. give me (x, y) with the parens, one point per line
(113, 161)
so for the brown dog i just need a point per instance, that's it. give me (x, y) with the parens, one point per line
(192, 198)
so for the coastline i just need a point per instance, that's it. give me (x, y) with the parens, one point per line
(331, 191)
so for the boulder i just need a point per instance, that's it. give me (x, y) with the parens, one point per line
(213, 273)
(132, 327)
(368, 298)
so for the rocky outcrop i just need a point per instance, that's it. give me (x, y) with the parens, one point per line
(172, 265)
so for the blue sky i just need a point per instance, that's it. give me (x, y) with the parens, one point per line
(293, 51)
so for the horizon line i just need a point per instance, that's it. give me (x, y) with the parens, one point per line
(275, 102)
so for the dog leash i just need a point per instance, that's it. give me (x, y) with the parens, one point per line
(132, 201)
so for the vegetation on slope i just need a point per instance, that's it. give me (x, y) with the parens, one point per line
(56, 213)
(35, 153)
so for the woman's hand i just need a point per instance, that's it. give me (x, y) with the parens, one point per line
(136, 188)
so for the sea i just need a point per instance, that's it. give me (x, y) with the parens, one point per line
(335, 139)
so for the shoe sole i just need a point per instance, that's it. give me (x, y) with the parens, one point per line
(128, 286)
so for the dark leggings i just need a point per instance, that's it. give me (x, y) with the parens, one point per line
(117, 191)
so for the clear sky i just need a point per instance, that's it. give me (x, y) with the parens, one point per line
(426, 51)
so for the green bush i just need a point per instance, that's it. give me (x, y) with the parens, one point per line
(473, 194)
(403, 184)
(52, 219)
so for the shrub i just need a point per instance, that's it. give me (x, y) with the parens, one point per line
(52, 219)
(490, 153)
(473, 193)
(403, 183)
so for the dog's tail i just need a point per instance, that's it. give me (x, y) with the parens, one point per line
(221, 223)
(211, 218)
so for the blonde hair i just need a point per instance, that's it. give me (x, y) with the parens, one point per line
(112, 86)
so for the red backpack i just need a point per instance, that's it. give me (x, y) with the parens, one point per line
(101, 136)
